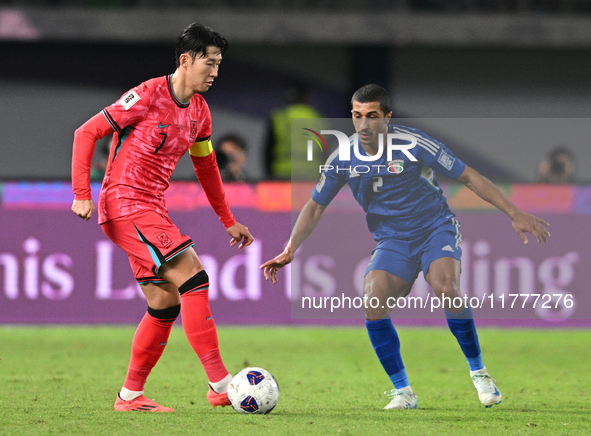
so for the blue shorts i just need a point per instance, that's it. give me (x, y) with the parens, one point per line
(405, 258)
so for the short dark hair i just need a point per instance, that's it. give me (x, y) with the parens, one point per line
(558, 150)
(371, 93)
(231, 137)
(195, 39)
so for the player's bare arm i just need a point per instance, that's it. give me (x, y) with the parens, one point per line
(83, 208)
(306, 223)
(522, 222)
(240, 235)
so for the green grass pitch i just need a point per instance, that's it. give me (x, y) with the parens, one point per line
(63, 381)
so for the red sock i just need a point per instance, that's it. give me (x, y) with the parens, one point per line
(199, 326)
(148, 345)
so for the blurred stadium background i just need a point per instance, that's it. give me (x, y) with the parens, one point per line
(524, 63)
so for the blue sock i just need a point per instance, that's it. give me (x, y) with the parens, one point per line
(386, 344)
(463, 328)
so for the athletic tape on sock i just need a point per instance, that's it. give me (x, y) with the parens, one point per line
(168, 313)
(198, 282)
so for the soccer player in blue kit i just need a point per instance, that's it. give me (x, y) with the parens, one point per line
(414, 230)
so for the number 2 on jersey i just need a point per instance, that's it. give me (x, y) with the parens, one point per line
(162, 143)
(378, 182)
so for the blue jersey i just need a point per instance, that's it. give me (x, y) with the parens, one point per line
(401, 197)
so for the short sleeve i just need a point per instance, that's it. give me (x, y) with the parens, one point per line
(330, 182)
(446, 163)
(434, 154)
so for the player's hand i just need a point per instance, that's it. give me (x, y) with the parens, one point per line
(83, 208)
(525, 222)
(271, 267)
(240, 234)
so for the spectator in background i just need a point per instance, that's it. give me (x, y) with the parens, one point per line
(97, 171)
(558, 167)
(232, 155)
(278, 150)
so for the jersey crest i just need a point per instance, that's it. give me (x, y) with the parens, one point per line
(164, 240)
(396, 166)
(193, 132)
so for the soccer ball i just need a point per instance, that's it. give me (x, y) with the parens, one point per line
(253, 390)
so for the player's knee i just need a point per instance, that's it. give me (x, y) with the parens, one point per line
(160, 296)
(375, 308)
(373, 314)
(447, 286)
(198, 282)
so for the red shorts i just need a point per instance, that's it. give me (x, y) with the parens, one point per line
(149, 239)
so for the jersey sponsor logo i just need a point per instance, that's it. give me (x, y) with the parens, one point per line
(396, 166)
(193, 132)
(446, 160)
(129, 100)
(162, 126)
(164, 240)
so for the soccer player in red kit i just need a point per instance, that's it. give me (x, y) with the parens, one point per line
(154, 124)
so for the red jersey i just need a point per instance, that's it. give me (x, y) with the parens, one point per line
(153, 129)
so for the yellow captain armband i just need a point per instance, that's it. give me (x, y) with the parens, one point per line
(201, 148)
